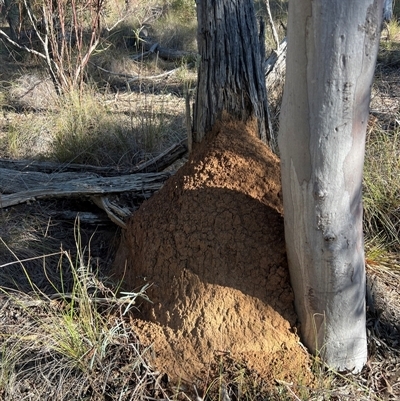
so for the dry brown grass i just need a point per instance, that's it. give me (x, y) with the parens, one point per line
(74, 342)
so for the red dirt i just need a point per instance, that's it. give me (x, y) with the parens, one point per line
(212, 243)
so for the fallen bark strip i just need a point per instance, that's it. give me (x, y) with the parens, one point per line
(26, 180)
(156, 164)
(115, 213)
(133, 78)
(164, 159)
(275, 69)
(54, 167)
(84, 217)
(143, 185)
(153, 77)
(12, 181)
(277, 60)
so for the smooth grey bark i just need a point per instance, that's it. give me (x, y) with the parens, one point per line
(332, 49)
(387, 10)
(231, 70)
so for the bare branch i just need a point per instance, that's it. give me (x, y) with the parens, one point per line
(271, 23)
(134, 78)
(21, 47)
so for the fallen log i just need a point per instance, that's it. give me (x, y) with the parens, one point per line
(275, 69)
(168, 54)
(12, 181)
(115, 213)
(54, 167)
(164, 159)
(26, 180)
(276, 62)
(141, 185)
(156, 164)
(84, 217)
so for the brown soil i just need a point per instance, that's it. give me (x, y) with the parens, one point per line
(212, 243)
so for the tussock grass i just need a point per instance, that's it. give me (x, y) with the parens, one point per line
(26, 136)
(32, 91)
(178, 30)
(129, 13)
(90, 127)
(95, 131)
(171, 24)
(382, 188)
(22, 236)
(86, 131)
(98, 129)
(75, 342)
(389, 52)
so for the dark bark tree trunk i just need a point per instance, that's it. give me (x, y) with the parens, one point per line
(10, 9)
(231, 71)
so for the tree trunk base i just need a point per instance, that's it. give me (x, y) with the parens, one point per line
(211, 242)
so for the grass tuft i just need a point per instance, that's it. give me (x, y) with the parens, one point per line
(382, 188)
(177, 29)
(76, 343)
(389, 52)
(85, 131)
(97, 129)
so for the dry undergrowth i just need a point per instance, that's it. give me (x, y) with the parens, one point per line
(97, 355)
(74, 342)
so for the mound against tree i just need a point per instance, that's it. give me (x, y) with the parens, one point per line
(211, 242)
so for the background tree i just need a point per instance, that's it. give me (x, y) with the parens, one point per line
(231, 71)
(10, 9)
(332, 48)
(387, 10)
(62, 34)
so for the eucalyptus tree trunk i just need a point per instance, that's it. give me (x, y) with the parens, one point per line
(387, 10)
(332, 49)
(231, 71)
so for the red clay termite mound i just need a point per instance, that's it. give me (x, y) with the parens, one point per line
(211, 241)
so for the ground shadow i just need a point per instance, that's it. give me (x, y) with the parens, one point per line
(33, 237)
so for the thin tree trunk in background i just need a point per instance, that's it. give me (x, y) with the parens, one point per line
(387, 10)
(231, 71)
(272, 25)
(332, 49)
(10, 9)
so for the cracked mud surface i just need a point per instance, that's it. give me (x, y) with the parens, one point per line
(211, 242)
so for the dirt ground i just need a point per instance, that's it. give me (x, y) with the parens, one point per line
(211, 242)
